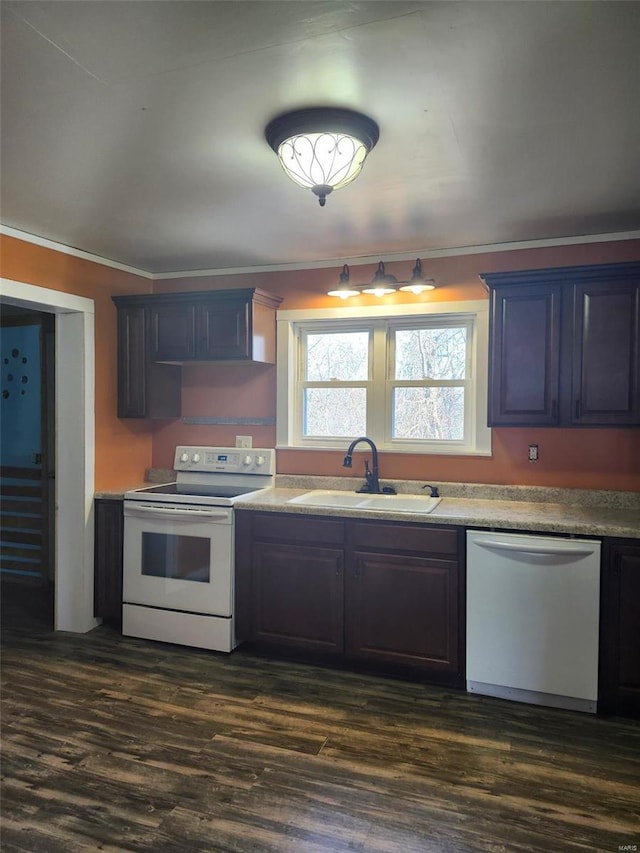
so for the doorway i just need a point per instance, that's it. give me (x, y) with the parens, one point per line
(74, 447)
(27, 461)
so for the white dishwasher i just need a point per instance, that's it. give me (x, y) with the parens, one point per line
(532, 618)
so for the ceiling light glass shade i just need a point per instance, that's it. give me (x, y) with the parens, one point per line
(322, 149)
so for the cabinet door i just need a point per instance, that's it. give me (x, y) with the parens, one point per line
(298, 596)
(403, 610)
(224, 330)
(145, 389)
(524, 357)
(619, 676)
(172, 331)
(109, 534)
(132, 363)
(606, 353)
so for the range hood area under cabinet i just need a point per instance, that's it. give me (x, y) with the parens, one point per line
(157, 333)
(564, 346)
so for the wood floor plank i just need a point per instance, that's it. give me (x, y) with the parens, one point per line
(117, 744)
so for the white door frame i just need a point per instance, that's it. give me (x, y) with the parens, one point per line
(75, 447)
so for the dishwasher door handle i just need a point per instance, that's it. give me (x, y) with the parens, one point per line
(577, 550)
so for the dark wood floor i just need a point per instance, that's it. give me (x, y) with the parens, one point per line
(111, 743)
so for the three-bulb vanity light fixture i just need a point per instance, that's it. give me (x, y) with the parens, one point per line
(383, 283)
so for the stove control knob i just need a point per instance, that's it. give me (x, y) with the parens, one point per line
(247, 460)
(259, 460)
(184, 457)
(195, 457)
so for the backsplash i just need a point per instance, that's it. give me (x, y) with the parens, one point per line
(478, 491)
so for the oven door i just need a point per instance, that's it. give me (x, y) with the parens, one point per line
(178, 557)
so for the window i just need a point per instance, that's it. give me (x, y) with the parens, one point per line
(411, 379)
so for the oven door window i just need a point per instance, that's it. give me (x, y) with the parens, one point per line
(175, 556)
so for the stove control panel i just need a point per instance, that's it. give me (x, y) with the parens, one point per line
(230, 460)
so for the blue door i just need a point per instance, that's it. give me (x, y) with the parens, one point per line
(23, 551)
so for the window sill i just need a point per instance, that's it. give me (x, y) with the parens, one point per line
(341, 448)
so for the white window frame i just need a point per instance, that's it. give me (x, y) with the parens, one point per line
(289, 402)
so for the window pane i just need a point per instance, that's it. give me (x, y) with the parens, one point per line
(343, 356)
(431, 353)
(428, 413)
(334, 411)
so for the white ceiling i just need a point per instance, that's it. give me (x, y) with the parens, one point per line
(135, 130)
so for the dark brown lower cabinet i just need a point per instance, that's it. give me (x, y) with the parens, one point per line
(402, 610)
(619, 676)
(404, 603)
(385, 594)
(290, 581)
(108, 541)
(298, 596)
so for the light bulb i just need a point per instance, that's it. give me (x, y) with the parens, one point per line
(343, 293)
(418, 288)
(379, 290)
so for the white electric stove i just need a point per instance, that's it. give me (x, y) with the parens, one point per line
(178, 573)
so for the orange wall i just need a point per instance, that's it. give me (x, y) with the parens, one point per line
(589, 458)
(123, 447)
(571, 458)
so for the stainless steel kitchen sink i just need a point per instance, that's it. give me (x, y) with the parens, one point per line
(350, 500)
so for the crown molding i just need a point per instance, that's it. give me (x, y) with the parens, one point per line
(424, 254)
(71, 250)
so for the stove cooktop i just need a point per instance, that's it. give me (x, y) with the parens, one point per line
(173, 489)
(212, 476)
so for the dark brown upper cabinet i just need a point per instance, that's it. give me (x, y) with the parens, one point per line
(225, 325)
(145, 389)
(159, 332)
(524, 357)
(606, 356)
(564, 346)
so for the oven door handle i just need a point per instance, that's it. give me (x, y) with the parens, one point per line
(186, 514)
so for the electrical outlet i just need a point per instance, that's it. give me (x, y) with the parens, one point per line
(244, 441)
(533, 453)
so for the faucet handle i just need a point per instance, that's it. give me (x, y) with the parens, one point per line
(433, 490)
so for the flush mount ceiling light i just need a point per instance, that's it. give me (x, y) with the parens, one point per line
(383, 283)
(322, 148)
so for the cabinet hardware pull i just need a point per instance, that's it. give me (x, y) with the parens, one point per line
(577, 409)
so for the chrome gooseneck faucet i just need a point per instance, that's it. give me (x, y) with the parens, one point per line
(372, 484)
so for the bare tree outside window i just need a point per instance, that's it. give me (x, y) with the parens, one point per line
(406, 382)
(436, 358)
(337, 356)
(338, 359)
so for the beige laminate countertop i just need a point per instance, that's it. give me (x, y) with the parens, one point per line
(472, 512)
(118, 494)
